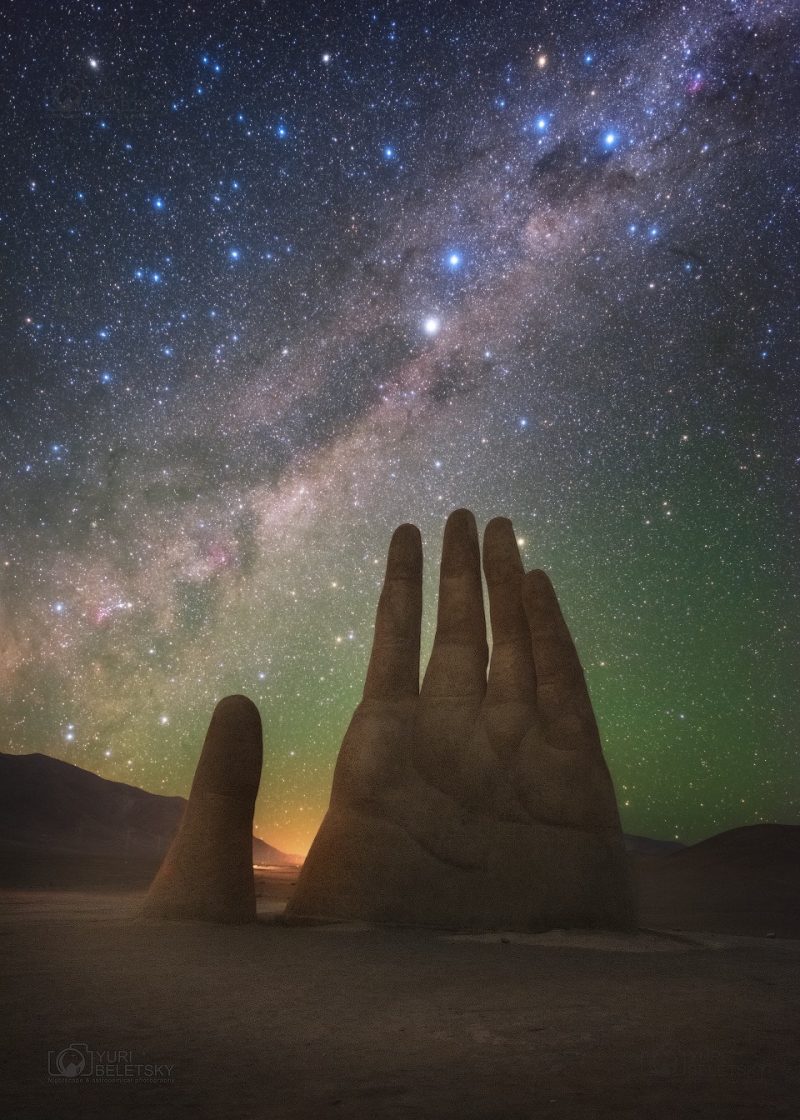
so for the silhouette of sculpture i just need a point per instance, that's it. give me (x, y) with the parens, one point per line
(470, 803)
(207, 874)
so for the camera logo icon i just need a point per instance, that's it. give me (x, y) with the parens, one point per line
(75, 1060)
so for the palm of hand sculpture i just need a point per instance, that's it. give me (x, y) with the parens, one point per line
(471, 802)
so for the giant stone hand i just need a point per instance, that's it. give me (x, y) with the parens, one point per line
(471, 802)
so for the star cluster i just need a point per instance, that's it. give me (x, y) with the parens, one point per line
(281, 277)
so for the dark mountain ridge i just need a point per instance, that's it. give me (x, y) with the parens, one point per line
(57, 819)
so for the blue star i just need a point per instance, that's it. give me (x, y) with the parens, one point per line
(610, 140)
(281, 132)
(588, 58)
(106, 378)
(541, 124)
(158, 203)
(454, 260)
(388, 152)
(234, 254)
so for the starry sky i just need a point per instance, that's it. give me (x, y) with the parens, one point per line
(278, 277)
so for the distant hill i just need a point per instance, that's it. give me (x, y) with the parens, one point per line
(754, 845)
(746, 880)
(646, 846)
(62, 825)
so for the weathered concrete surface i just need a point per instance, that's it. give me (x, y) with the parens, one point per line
(471, 803)
(207, 873)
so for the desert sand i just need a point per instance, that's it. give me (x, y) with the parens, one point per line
(351, 1020)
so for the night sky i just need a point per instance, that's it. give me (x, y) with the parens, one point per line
(280, 277)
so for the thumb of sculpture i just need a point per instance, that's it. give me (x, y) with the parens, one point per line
(207, 874)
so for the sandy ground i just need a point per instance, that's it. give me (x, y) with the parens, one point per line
(274, 1021)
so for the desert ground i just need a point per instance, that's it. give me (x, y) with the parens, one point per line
(346, 1020)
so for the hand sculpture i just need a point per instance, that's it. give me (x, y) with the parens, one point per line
(207, 873)
(470, 803)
